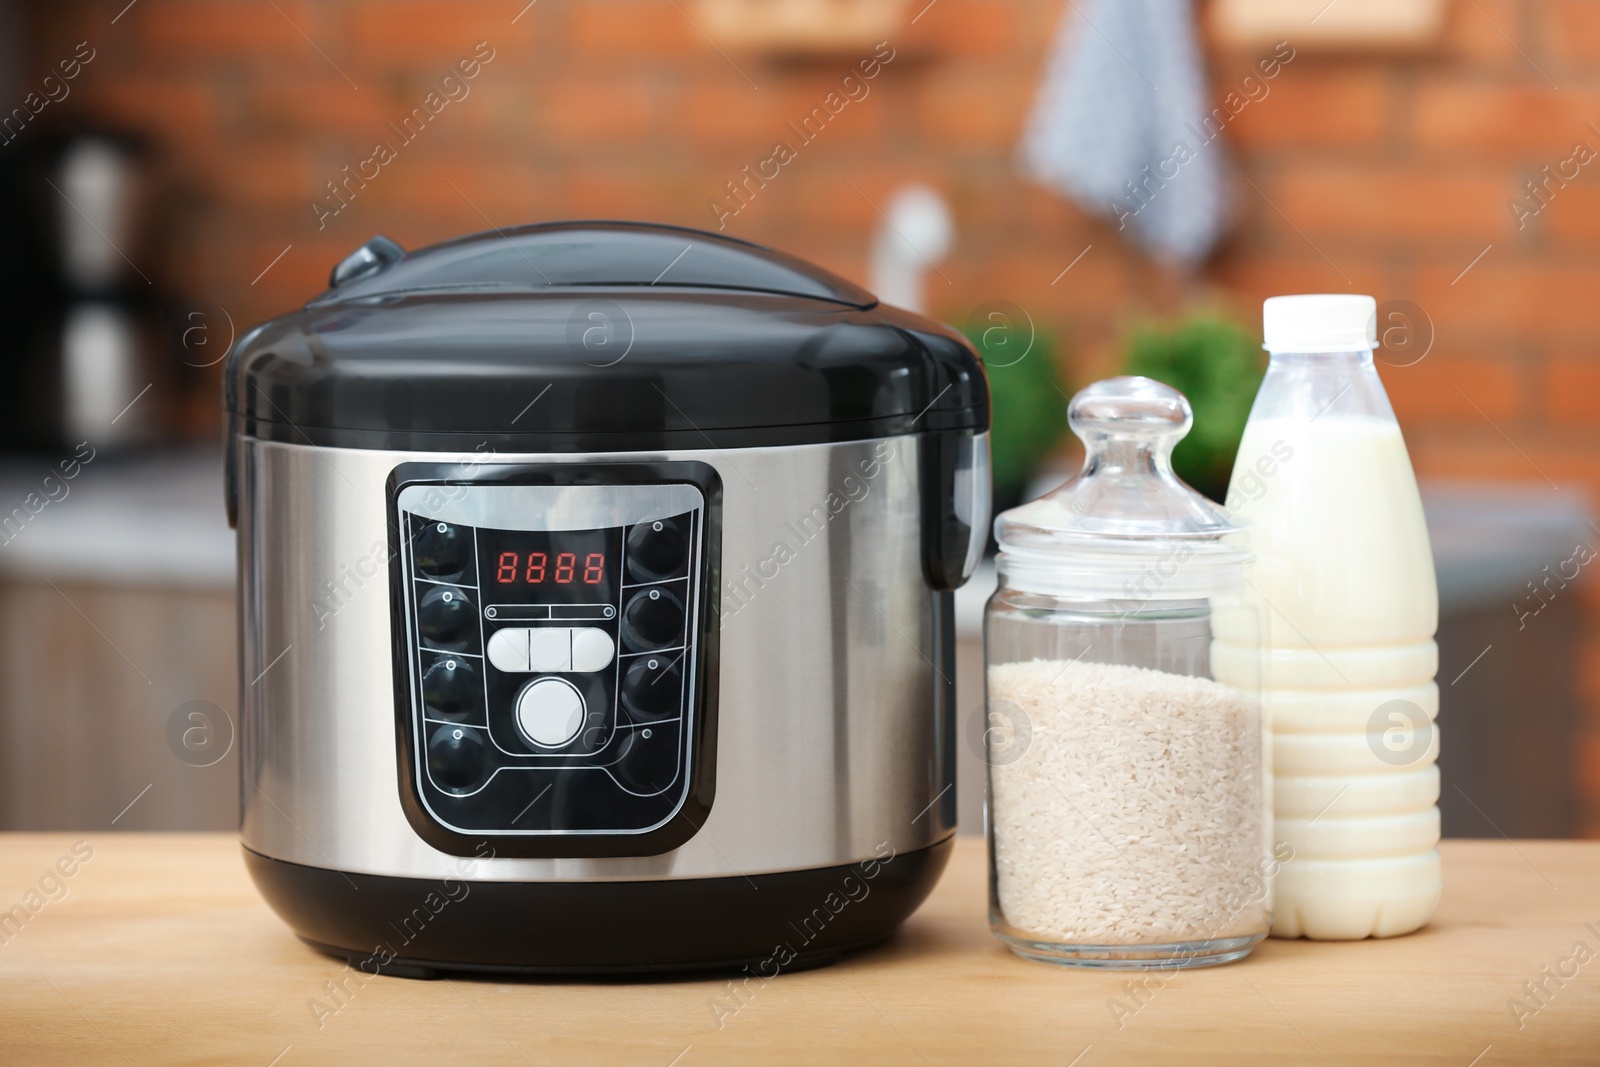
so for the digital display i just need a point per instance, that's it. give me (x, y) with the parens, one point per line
(549, 566)
(511, 569)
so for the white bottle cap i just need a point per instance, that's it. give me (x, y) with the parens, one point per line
(1329, 322)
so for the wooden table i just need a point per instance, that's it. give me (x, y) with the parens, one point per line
(159, 951)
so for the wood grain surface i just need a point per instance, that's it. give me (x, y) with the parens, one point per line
(157, 950)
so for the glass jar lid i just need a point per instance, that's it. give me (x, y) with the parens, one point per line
(1126, 526)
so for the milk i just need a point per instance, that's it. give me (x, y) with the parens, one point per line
(1345, 579)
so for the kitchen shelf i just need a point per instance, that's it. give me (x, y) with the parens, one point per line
(1328, 25)
(800, 27)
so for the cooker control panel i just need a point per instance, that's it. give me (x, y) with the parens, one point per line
(552, 650)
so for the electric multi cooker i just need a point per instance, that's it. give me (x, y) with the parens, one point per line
(595, 603)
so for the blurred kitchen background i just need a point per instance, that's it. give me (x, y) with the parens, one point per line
(175, 171)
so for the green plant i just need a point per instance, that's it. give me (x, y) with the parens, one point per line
(1028, 410)
(1218, 365)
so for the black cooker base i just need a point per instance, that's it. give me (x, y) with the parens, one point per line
(764, 925)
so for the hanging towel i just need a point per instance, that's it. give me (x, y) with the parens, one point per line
(1120, 125)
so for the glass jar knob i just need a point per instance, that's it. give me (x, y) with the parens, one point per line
(1130, 407)
(1129, 426)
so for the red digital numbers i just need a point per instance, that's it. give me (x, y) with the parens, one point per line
(534, 569)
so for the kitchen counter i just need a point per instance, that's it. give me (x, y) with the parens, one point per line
(158, 950)
(151, 518)
(116, 615)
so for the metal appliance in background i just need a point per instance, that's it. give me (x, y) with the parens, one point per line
(90, 340)
(596, 599)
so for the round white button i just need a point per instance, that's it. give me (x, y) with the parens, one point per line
(550, 712)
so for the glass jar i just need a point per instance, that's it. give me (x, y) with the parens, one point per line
(1128, 790)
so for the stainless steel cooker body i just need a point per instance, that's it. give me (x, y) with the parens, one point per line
(834, 667)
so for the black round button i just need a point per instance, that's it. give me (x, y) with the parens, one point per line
(656, 550)
(458, 759)
(652, 687)
(648, 759)
(447, 619)
(653, 619)
(442, 551)
(451, 689)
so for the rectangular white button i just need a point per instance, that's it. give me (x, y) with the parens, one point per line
(592, 649)
(550, 649)
(508, 650)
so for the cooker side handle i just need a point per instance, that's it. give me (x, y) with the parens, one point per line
(230, 476)
(955, 505)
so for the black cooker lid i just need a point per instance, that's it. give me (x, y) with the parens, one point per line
(596, 336)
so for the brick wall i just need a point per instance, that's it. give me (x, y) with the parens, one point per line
(1387, 175)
